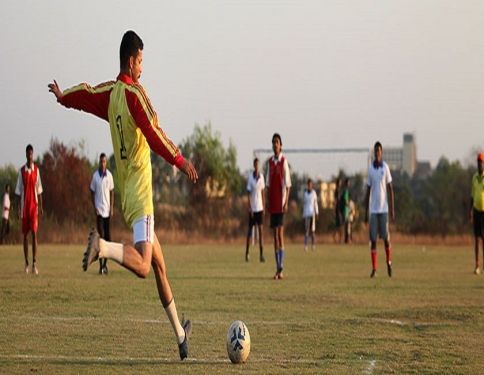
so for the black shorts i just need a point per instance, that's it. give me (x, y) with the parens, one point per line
(277, 220)
(255, 218)
(478, 218)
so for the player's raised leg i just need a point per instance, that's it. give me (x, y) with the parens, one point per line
(136, 259)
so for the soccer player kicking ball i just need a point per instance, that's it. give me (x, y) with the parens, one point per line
(134, 130)
(278, 187)
(379, 196)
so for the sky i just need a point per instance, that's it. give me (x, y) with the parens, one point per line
(324, 74)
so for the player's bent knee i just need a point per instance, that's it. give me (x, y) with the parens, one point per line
(144, 271)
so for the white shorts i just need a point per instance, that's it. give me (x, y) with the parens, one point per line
(144, 229)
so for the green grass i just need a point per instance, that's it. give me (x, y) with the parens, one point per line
(327, 316)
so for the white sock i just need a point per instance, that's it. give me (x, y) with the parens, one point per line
(175, 323)
(111, 250)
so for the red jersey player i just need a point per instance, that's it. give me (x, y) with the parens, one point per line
(278, 186)
(29, 191)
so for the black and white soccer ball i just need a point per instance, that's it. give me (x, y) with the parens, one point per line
(238, 342)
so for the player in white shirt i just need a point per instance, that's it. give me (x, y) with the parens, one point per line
(255, 197)
(310, 211)
(379, 202)
(102, 197)
(5, 214)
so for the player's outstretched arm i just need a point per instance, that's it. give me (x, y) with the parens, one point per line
(190, 171)
(55, 89)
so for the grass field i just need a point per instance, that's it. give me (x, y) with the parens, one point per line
(327, 316)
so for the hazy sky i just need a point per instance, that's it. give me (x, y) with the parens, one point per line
(322, 73)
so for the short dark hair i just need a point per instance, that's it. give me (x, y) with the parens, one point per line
(377, 144)
(7, 185)
(29, 148)
(103, 155)
(309, 180)
(130, 45)
(255, 160)
(277, 135)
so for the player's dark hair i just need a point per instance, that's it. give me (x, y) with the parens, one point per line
(29, 148)
(255, 160)
(377, 145)
(309, 180)
(277, 135)
(7, 185)
(103, 155)
(130, 45)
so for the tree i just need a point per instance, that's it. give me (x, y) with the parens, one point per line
(65, 178)
(217, 166)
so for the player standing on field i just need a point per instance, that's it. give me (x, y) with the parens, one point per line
(476, 213)
(102, 197)
(379, 199)
(5, 214)
(278, 187)
(29, 190)
(345, 208)
(310, 211)
(255, 198)
(134, 133)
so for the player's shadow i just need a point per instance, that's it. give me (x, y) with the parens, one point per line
(129, 362)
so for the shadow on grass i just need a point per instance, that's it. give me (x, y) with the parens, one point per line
(86, 361)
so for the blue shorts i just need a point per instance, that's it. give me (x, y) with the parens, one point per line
(379, 227)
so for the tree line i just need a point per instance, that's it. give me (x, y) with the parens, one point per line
(436, 204)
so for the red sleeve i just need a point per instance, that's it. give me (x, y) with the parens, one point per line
(147, 121)
(94, 100)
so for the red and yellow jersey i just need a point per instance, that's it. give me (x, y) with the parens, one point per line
(134, 130)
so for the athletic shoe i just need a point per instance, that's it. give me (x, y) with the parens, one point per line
(373, 274)
(389, 269)
(276, 276)
(262, 259)
(183, 347)
(477, 271)
(305, 248)
(280, 276)
(105, 270)
(35, 271)
(246, 257)
(92, 251)
(26, 269)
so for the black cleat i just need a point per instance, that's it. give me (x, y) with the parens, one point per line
(389, 269)
(261, 258)
(183, 347)
(373, 274)
(92, 251)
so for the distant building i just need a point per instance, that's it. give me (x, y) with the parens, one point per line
(327, 194)
(402, 158)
